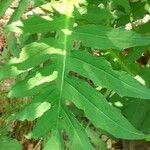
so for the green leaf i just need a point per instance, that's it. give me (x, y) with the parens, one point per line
(98, 111)
(19, 11)
(4, 5)
(12, 44)
(76, 133)
(33, 111)
(54, 142)
(9, 144)
(145, 73)
(144, 28)
(135, 110)
(95, 138)
(37, 24)
(138, 9)
(39, 2)
(31, 56)
(145, 126)
(34, 82)
(122, 21)
(101, 72)
(95, 15)
(124, 3)
(105, 37)
(48, 121)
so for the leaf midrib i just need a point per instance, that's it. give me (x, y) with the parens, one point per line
(74, 128)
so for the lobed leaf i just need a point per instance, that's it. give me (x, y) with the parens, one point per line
(33, 111)
(98, 111)
(37, 24)
(31, 56)
(100, 71)
(104, 37)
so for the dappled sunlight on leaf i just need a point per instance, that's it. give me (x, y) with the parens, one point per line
(41, 79)
(34, 82)
(33, 111)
